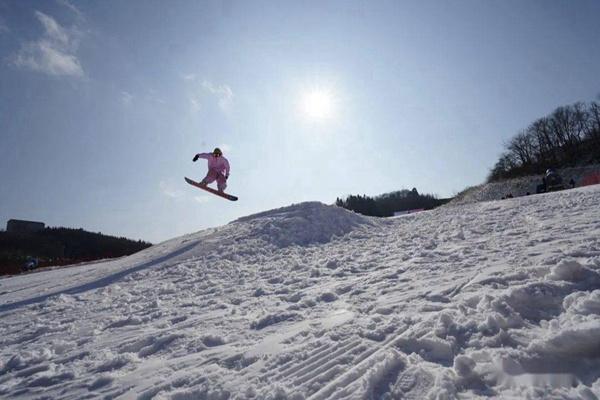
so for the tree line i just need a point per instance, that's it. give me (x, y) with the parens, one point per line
(60, 246)
(567, 137)
(387, 204)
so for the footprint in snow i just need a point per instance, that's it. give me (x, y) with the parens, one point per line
(327, 297)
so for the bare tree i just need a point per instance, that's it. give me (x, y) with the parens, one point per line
(594, 121)
(569, 135)
(565, 128)
(523, 147)
(503, 167)
(540, 131)
(593, 134)
(581, 121)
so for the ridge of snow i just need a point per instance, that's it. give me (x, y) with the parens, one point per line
(519, 186)
(498, 299)
(302, 224)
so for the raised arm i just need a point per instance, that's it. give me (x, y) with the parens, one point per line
(206, 156)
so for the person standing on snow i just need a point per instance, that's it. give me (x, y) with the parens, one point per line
(218, 168)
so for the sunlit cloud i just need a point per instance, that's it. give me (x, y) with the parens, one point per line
(169, 190)
(43, 57)
(126, 98)
(54, 52)
(195, 104)
(202, 199)
(54, 31)
(155, 97)
(71, 6)
(194, 97)
(223, 93)
(207, 91)
(226, 148)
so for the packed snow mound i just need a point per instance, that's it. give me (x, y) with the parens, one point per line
(521, 186)
(302, 224)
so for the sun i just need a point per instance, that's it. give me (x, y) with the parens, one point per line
(317, 104)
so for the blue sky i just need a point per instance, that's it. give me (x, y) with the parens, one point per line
(104, 103)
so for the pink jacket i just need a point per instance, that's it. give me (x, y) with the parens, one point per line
(218, 164)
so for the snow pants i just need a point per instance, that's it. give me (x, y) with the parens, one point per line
(213, 175)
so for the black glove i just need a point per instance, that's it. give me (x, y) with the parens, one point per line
(196, 157)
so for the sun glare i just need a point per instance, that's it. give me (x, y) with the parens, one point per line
(317, 104)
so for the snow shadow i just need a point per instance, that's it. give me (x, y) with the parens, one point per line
(98, 283)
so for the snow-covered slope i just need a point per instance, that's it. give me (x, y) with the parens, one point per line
(521, 186)
(498, 299)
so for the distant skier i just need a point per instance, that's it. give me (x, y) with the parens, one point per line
(218, 168)
(553, 181)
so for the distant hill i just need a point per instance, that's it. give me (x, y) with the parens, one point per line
(568, 137)
(387, 204)
(61, 246)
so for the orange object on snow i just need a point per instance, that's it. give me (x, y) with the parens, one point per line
(592, 178)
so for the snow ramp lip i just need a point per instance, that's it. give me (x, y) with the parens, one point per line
(302, 224)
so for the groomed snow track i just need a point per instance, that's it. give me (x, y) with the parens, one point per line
(498, 299)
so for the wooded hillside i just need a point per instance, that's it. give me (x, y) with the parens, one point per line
(61, 246)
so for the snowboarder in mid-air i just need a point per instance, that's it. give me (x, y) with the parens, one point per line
(218, 168)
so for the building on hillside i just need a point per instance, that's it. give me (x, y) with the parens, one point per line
(19, 226)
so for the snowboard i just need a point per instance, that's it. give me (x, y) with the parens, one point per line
(211, 190)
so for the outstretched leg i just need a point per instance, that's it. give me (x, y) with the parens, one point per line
(210, 177)
(221, 183)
